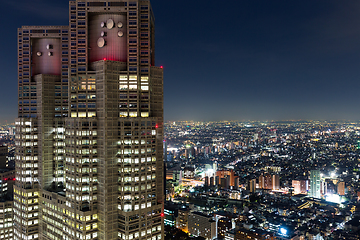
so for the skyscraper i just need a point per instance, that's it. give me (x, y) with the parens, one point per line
(89, 160)
(315, 184)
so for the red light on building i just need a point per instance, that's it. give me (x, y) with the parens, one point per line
(162, 214)
(104, 59)
(161, 67)
(5, 179)
(157, 126)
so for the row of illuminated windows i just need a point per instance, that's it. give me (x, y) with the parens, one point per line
(133, 114)
(82, 133)
(136, 160)
(82, 151)
(83, 114)
(29, 137)
(29, 144)
(83, 96)
(136, 151)
(136, 169)
(59, 137)
(130, 207)
(28, 179)
(133, 87)
(132, 142)
(24, 201)
(81, 189)
(28, 129)
(82, 170)
(82, 160)
(29, 172)
(137, 179)
(133, 78)
(23, 123)
(85, 142)
(29, 194)
(85, 179)
(85, 87)
(5, 210)
(29, 165)
(81, 198)
(59, 144)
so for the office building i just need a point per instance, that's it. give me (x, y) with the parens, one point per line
(202, 225)
(315, 184)
(89, 137)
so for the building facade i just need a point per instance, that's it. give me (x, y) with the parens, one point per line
(89, 160)
(300, 186)
(201, 225)
(3, 156)
(315, 184)
(6, 203)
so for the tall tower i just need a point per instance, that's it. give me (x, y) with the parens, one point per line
(89, 161)
(315, 184)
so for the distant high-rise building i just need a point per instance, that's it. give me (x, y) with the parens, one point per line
(341, 188)
(225, 173)
(300, 186)
(315, 184)
(177, 176)
(275, 182)
(89, 137)
(252, 185)
(211, 181)
(323, 187)
(206, 181)
(265, 181)
(237, 183)
(217, 181)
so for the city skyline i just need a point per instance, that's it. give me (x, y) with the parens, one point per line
(272, 60)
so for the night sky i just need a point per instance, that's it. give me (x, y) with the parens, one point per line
(231, 60)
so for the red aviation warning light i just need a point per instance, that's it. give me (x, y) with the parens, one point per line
(162, 214)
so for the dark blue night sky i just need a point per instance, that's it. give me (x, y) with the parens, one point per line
(231, 60)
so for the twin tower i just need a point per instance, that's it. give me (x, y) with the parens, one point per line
(89, 133)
